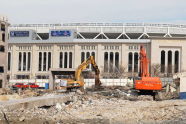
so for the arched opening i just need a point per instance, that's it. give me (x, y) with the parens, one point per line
(20, 61)
(116, 61)
(49, 60)
(65, 63)
(135, 62)
(61, 60)
(130, 62)
(87, 55)
(162, 61)
(70, 60)
(111, 62)
(106, 62)
(40, 61)
(176, 61)
(44, 61)
(169, 69)
(82, 57)
(29, 61)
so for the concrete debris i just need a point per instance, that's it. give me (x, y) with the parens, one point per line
(94, 107)
(58, 106)
(106, 105)
(79, 92)
(22, 118)
(9, 97)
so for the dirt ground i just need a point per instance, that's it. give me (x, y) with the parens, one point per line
(101, 107)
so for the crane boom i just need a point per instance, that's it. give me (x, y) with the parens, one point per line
(144, 69)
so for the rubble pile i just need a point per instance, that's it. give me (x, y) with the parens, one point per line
(96, 107)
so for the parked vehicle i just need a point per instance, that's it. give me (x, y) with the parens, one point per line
(19, 85)
(25, 86)
(32, 85)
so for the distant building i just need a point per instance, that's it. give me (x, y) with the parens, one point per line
(3, 50)
(35, 49)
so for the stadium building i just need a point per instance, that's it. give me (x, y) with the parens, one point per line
(36, 50)
(3, 50)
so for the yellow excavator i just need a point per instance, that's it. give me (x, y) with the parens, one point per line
(70, 84)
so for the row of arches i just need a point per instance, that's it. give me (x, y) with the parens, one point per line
(170, 61)
(65, 60)
(111, 61)
(133, 62)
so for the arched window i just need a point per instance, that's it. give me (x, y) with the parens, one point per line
(49, 60)
(44, 61)
(106, 62)
(176, 61)
(40, 61)
(162, 61)
(70, 60)
(93, 54)
(111, 62)
(87, 55)
(135, 62)
(82, 57)
(130, 62)
(65, 63)
(29, 61)
(61, 60)
(20, 61)
(116, 61)
(169, 69)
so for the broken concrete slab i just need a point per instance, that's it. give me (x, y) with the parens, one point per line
(32, 102)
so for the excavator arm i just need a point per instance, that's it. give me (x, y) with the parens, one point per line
(84, 65)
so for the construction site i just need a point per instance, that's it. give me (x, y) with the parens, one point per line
(92, 73)
(144, 100)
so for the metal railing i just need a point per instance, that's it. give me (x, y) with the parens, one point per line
(102, 24)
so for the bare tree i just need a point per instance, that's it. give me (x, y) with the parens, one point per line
(155, 70)
(114, 72)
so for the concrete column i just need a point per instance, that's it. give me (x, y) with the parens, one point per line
(26, 61)
(63, 59)
(120, 53)
(34, 61)
(99, 55)
(114, 61)
(77, 56)
(55, 52)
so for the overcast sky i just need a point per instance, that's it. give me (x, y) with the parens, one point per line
(109, 11)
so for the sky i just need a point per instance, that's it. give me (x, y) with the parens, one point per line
(94, 11)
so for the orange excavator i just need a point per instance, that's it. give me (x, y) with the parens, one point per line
(145, 81)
